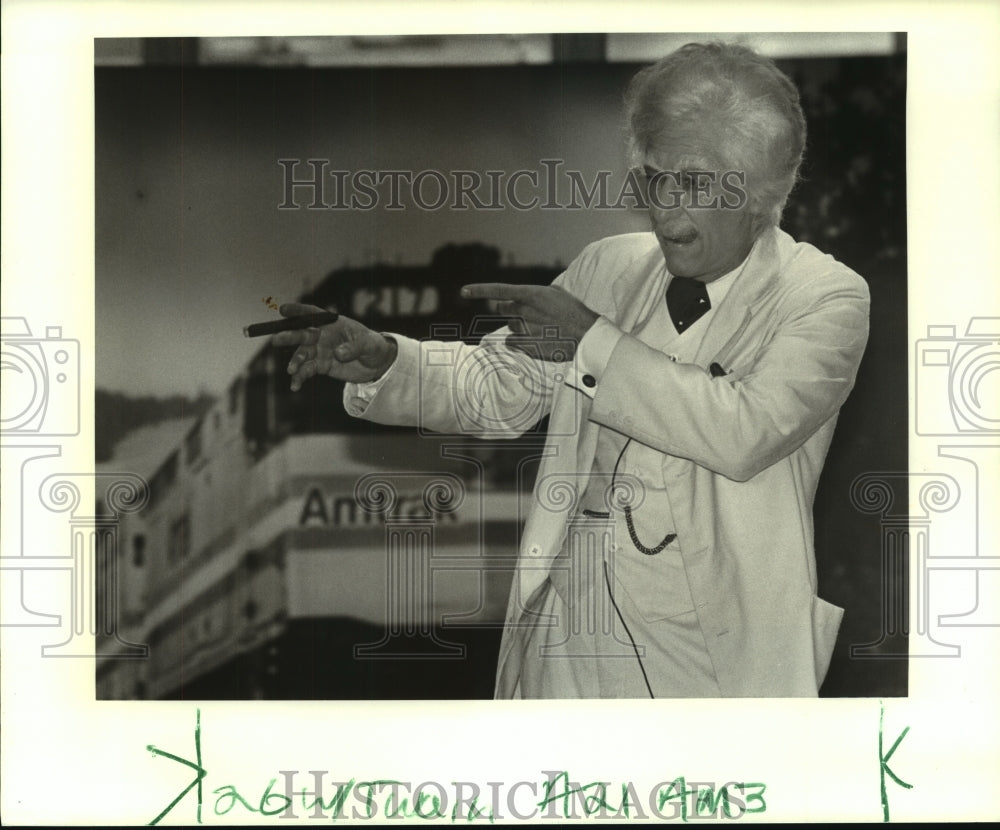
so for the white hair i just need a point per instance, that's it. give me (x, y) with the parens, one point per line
(752, 105)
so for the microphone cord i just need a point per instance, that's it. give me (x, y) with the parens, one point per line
(628, 515)
(635, 648)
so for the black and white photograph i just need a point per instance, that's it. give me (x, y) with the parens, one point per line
(498, 413)
(297, 544)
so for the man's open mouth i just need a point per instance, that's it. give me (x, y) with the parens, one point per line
(681, 239)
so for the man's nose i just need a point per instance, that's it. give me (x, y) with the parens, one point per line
(669, 214)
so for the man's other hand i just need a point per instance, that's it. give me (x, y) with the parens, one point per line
(345, 350)
(546, 321)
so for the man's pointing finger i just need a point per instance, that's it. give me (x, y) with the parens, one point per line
(494, 291)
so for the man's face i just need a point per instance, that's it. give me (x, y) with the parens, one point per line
(699, 208)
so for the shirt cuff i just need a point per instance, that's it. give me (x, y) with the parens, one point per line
(593, 354)
(357, 396)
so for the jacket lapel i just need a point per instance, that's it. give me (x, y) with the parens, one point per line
(751, 288)
(635, 292)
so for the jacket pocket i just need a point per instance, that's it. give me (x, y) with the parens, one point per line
(656, 585)
(826, 619)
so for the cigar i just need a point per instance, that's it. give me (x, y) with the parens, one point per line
(301, 321)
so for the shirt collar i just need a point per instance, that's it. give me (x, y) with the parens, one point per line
(719, 288)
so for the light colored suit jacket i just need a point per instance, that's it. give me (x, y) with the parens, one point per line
(742, 452)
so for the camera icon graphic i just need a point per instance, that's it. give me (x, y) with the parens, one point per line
(957, 383)
(522, 379)
(41, 381)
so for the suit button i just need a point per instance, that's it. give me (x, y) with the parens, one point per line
(589, 381)
(534, 550)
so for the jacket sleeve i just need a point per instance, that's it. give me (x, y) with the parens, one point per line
(798, 379)
(485, 390)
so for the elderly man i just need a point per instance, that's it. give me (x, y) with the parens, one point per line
(687, 429)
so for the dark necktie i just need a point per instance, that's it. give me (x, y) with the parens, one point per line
(687, 300)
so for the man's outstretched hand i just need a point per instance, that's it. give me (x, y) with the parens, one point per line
(538, 311)
(345, 350)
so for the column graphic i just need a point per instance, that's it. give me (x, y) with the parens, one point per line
(905, 548)
(93, 561)
(409, 549)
